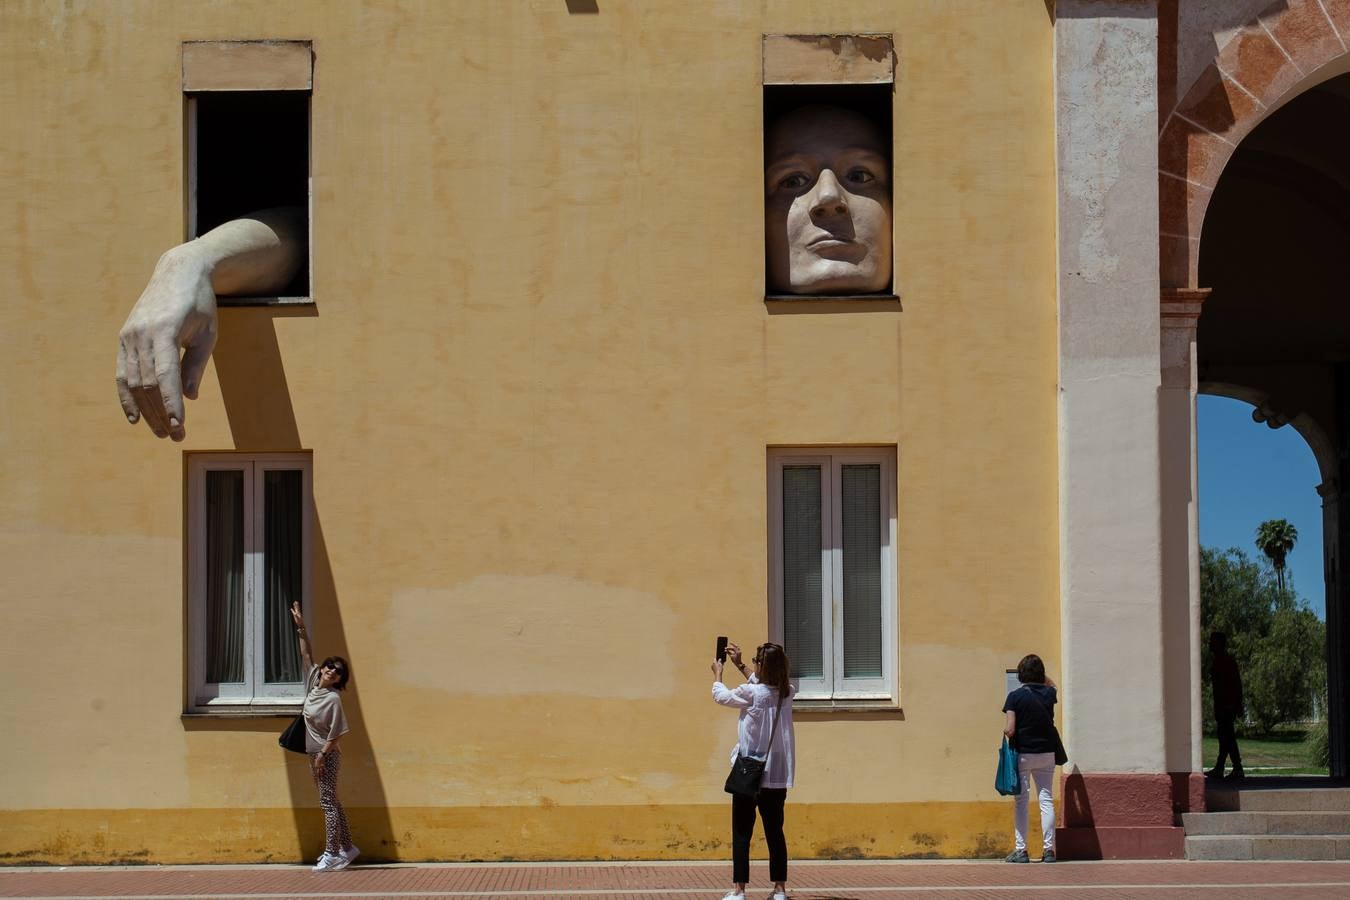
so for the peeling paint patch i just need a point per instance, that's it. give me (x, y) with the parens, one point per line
(877, 49)
(987, 846)
(829, 59)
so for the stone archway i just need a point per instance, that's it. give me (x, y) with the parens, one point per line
(1291, 46)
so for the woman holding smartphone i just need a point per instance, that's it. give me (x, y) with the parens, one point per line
(764, 731)
(325, 723)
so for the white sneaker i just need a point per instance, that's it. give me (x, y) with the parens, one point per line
(734, 896)
(778, 895)
(344, 858)
(328, 862)
(351, 853)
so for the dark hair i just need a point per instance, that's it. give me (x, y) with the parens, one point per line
(1031, 670)
(871, 101)
(773, 668)
(1218, 640)
(343, 668)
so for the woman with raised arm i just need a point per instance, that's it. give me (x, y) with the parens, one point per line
(324, 725)
(764, 731)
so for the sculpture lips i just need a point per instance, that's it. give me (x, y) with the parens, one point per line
(839, 249)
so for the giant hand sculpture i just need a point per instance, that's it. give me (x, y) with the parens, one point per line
(176, 314)
(827, 203)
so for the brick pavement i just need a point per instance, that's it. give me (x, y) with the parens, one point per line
(693, 881)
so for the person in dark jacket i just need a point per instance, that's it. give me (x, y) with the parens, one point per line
(1029, 724)
(1228, 704)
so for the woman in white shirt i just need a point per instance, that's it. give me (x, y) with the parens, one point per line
(764, 731)
(325, 722)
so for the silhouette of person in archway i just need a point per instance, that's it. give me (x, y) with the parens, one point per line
(1228, 706)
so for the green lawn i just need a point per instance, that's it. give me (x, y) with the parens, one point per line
(1283, 750)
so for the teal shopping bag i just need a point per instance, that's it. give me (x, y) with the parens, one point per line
(1006, 781)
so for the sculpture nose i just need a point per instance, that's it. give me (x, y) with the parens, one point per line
(828, 197)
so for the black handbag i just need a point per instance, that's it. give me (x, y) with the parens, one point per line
(747, 772)
(293, 738)
(1061, 755)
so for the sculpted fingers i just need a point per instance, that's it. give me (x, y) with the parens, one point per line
(194, 363)
(168, 380)
(129, 408)
(141, 380)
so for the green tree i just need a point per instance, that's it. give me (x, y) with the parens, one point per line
(1279, 644)
(1275, 538)
(1287, 667)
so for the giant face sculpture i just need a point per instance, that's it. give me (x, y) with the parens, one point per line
(827, 210)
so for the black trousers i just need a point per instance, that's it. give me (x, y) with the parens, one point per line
(770, 804)
(1228, 747)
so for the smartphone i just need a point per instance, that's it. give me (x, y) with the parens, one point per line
(721, 648)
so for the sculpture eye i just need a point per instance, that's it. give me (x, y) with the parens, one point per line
(795, 181)
(859, 175)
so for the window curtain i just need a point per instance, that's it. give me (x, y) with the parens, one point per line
(282, 574)
(225, 577)
(860, 489)
(802, 571)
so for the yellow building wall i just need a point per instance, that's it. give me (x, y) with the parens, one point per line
(539, 383)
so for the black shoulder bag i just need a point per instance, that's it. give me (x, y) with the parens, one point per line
(747, 772)
(293, 738)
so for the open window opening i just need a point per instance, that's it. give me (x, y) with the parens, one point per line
(248, 150)
(247, 141)
(828, 166)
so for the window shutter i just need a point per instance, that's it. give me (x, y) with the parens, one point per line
(860, 503)
(282, 571)
(802, 637)
(225, 625)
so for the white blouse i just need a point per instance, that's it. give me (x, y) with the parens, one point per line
(758, 704)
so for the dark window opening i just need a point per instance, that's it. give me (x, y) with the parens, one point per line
(251, 153)
(871, 101)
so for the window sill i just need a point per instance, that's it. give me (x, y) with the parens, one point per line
(271, 711)
(808, 297)
(226, 302)
(791, 304)
(889, 709)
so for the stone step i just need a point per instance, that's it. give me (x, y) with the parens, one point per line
(1246, 846)
(1247, 823)
(1229, 798)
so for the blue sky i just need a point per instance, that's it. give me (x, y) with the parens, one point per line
(1250, 473)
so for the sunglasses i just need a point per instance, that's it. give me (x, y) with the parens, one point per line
(337, 669)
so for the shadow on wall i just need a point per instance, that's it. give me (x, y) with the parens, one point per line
(258, 406)
(1076, 836)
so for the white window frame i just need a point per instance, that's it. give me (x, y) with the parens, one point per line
(833, 687)
(254, 693)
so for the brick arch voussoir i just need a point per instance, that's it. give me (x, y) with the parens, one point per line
(1263, 62)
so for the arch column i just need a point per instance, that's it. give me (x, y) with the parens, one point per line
(1336, 534)
(1330, 493)
(1180, 313)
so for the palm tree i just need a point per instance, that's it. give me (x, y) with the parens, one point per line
(1275, 538)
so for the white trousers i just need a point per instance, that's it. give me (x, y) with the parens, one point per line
(1041, 766)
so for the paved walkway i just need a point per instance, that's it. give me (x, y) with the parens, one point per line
(695, 881)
